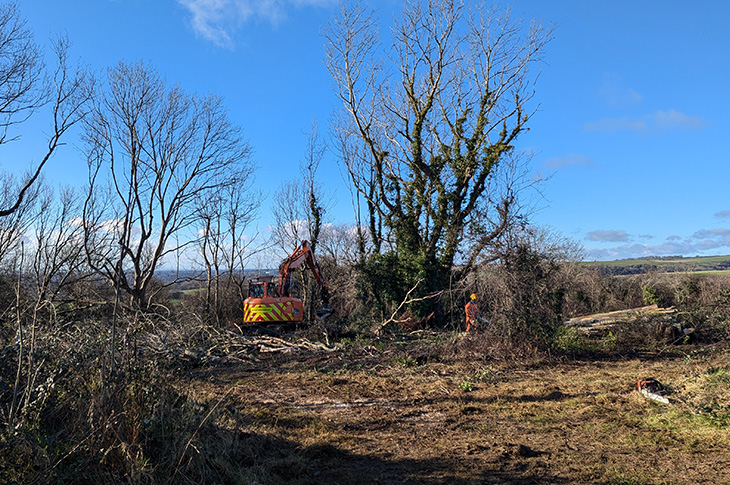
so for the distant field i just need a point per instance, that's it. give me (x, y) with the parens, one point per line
(718, 272)
(664, 262)
(710, 265)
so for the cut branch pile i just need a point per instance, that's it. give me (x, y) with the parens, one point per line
(207, 345)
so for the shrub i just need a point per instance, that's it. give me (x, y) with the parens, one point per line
(531, 296)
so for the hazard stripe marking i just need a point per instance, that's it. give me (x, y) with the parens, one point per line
(270, 312)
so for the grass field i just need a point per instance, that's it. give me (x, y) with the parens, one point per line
(690, 262)
(720, 272)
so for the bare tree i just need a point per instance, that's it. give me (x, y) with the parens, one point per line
(224, 245)
(316, 149)
(426, 127)
(299, 206)
(153, 153)
(57, 245)
(291, 223)
(25, 87)
(338, 242)
(48, 260)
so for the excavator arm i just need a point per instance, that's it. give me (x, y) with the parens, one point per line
(304, 255)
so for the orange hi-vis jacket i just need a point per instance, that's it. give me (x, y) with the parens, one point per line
(472, 311)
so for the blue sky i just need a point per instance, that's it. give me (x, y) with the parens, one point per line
(632, 114)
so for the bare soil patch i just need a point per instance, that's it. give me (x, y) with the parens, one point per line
(367, 415)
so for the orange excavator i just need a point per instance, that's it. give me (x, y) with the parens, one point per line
(270, 301)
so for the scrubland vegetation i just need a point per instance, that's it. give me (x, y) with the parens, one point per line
(94, 395)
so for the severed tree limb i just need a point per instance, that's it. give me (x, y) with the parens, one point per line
(406, 301)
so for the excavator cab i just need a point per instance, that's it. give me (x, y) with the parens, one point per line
(261, 287)
(270, 299)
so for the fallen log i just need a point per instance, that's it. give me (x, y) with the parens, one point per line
(603, 322)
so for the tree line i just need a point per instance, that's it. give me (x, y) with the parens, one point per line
(426, 135)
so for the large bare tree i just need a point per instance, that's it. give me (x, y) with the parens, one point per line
(154, 152)
(429, 122)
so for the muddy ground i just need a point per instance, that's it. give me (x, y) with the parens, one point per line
(367, 413)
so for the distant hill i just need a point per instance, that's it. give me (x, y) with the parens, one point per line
(170, 275)
(664, 264)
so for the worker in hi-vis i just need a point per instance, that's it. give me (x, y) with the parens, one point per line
(472, 312)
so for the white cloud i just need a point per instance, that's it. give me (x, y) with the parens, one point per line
(76, 222)
(710, 239)
(702, 241)
(711, 233)
(217, 21)
(611, 125)
(616, 93)
(570, 160)
(112, 226)
(661, 121)
(667, 120)
(608, 236)
(209, 19)
(627, 251)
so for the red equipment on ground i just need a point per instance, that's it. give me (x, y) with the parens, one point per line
(272, 302)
